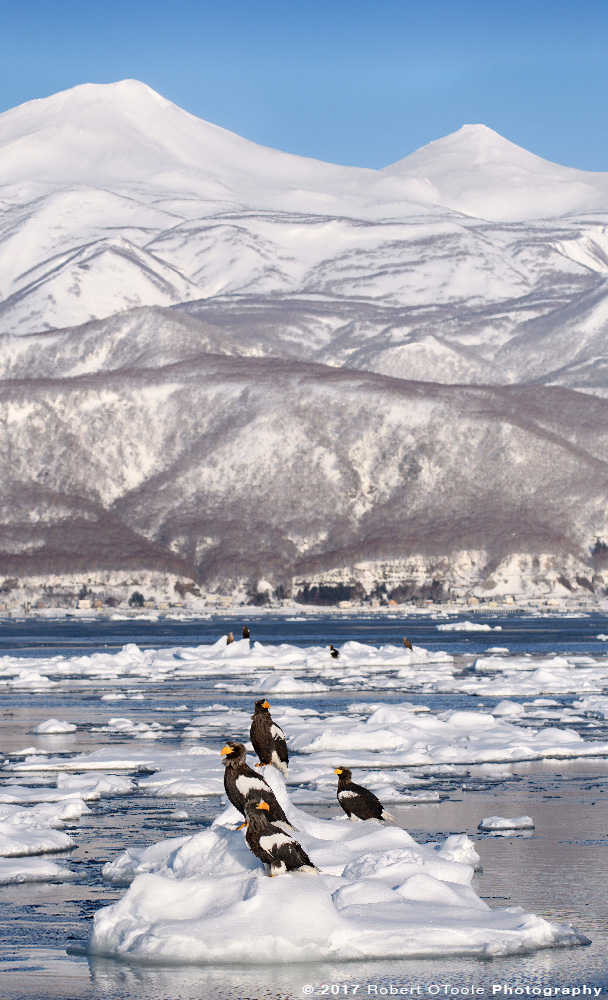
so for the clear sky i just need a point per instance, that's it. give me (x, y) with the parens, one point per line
(362, 82)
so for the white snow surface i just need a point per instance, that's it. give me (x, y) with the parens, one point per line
(506, 823)
(37, 830)
(378, 894)
(32, 870)
(468, 626)
(55, 726)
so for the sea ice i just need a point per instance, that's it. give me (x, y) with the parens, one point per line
(32, 870)
(55, 726)
(504, 823)
(468, 627)
(379, 894)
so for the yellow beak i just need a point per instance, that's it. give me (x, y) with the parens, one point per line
(263, 805)
(338, 770)
(265, 704)
(225, 750)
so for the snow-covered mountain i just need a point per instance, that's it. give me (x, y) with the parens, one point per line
(175, 301)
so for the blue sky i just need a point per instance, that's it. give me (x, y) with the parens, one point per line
(361, 82)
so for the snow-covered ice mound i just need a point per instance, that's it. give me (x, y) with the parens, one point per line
(506, 823)
(53, 726)
(394, 735)
(379, 895)
(257, 668)
(37, 830)
(32, 870)
(468, 627)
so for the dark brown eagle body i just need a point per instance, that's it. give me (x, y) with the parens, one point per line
(271, 844)
(242, 784)
(268, 739)
(358, 802)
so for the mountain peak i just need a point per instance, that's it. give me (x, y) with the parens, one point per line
(475, 170)
(469, 146)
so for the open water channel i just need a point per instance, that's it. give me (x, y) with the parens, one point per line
(560, 871)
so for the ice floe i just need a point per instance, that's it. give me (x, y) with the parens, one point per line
(32, 870)
(468, 627)
(506, 823)
(22, 834)
(378, 894)
(55, 726)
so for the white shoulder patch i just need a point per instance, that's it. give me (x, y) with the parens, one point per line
(276, 731)
(346, 794)
(246, 784)
(275, 840)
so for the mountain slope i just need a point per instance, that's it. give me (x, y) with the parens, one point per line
(226, 362)
(241, 469)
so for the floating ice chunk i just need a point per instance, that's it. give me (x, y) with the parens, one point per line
(16, 841)
(24, 795)
(275, 684)
(172, 785)
(505, 823)
(379, 895)
(459, 847)
(44, 814)
(141, 730)
(468, 627)
(55, 726)
(94, 785)
(33, 870)
(511, 708)
(29, 679)
(595, 705)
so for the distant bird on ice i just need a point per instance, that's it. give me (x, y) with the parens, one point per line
(242, 784)
(268, 739)
(271, 844)
(245, 632)
(229, 639)
(358, 802)
(334, 652)
(407, 643)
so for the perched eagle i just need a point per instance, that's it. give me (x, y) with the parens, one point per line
(358, 802)
(242, 784)
(268, 739)
(334, 652)
(271, 844)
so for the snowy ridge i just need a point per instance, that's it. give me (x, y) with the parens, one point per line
(138, 244)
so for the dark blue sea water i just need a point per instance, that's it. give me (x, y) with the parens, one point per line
(521, 633)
